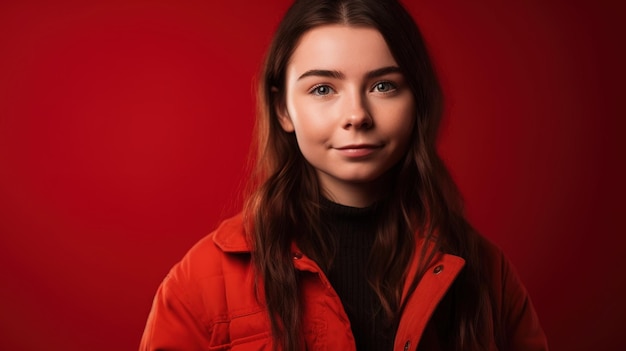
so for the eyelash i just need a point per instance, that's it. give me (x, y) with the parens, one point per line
(315, 90)
(391, 87)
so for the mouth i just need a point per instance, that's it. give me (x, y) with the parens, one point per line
(358, 147)
(358, 150)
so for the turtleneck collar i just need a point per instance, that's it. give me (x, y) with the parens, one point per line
(338, 210)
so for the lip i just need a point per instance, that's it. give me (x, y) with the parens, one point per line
(357, 150)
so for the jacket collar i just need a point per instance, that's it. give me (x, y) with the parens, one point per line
(230, 236)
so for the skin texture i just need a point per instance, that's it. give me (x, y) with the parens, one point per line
(350, 109)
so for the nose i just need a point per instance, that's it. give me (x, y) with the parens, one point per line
(358, 115)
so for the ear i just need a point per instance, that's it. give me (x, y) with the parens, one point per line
(281, 112)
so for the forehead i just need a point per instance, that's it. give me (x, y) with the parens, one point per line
(341, 47)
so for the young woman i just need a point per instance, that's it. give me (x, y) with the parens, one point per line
(352, 236)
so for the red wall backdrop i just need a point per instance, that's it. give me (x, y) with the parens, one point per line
(124, 127)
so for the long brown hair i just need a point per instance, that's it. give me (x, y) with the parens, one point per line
(283, 206)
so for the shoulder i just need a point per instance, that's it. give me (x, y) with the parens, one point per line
(203, 295)
(493, 258)
(222, 252)
(205, 258)
(498, 271)
(511, 299)
(214, 269)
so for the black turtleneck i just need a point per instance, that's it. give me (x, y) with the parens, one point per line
(353, 231)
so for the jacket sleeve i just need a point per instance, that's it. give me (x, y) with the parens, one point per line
(172, 324)
(523, 330)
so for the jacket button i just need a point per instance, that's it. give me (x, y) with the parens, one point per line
(438, 269)
(407, 345)
(297, 255)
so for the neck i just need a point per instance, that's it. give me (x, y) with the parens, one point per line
(351, 198)
(355, 194)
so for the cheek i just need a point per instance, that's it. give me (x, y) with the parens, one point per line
(407, 111)
(397, 119)
(310, 121)
(309, 138)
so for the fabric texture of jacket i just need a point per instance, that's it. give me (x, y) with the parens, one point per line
(208, 302)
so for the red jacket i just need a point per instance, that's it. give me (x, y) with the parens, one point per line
(208, 302)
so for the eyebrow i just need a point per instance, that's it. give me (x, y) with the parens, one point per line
(338, 75)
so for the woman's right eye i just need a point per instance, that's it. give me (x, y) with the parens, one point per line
(321, 90)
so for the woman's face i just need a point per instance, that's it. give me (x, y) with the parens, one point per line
(350, 108)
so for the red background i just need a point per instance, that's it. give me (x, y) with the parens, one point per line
(124, 127)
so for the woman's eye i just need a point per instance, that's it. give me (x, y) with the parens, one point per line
(384, 87)
(321, 90)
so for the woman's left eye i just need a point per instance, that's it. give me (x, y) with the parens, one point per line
(384, 87)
